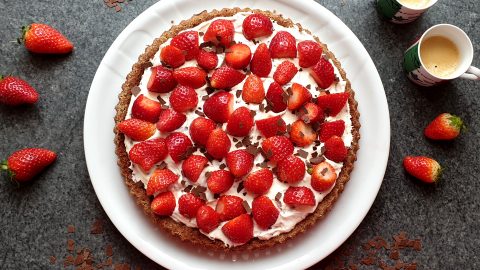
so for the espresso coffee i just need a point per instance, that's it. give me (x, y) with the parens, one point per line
(440, 56)
(414, 3)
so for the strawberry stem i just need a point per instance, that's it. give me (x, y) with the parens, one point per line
(25, 29)
(310, 170)
(4, 168)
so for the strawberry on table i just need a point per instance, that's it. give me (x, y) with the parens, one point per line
(285, 72)
(261, 63)
(271, 126)
(311, 113)
(424, 168)
(300, 95)
(161, 80)
(44, 39)
(335, 149)
(277, 148)
(221, 32)
(226, 77)
(207, 60)
(136, 129)
(238, 56)
(179, 146)
(219, 106)
(239, 162)
(148, 153)
(218, 144)
(257, 25)
(146, 109)
(172, 56)
(219, 181)
(190, 76)
(160, 180)
(276, 97)
(444, 127)
(170, 120)
(329, 129)
(302, 134)
(187, 41)
(291, 170)
(239, 230)
(188, 205)
(24, 164)
(323, 177)
(323, 74)
(253, 90)
(193, 166)
(264, 212)
(283, 45)
(15, 91)
(240, 122)
(229, 206)
(332, 104)
(259, 182)
(309, 53)
(299, 196)
(183, 99)
(163, 204)
(200, 129)
(207, 219)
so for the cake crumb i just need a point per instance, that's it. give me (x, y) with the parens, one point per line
(53, 260)
(97, 227)
(109, 250)
(71, 229)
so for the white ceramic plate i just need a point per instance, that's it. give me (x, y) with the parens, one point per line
(304, 250)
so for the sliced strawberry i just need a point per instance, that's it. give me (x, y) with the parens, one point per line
(170, 120)
(271, 126)
(238, 56)
(193, 166)
(309, 53)
(276, 97)
(183, 99)
(148, 153)
(240, 122)
(200, 128)
(188, 205)
(187, 42)
(299, 196)
(226, 77)
(190, 76)
(207, 219)
(219, 181)
(335, 149)
(302, 134)
(229, 206)
(277, 148)
(207, 60)
(161, 80)
(332, 104)
(259, 182)
(172, 56)
(220, 31)
(256, 25)
(323, 74)
(160, 180)
(300, 95)
(323, 177)
(283, 45)
(219, 106)
(239, 230)
(179, 145)
(253, 90)
(261, 63)
(239, 162)
(146, 109)
(291, 170)
(218, 144)
(136, 129)
(311, 113)
(264, 212)
(163, 204)
(329, 129)
(285, 72)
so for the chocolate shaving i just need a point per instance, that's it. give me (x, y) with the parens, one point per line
(285, 97)
(207, 44)
(238, 93)
(204, 97)
(239, 144)
(317, 160)
(200, 113)
(289, 91)
(135, 90)
(314, 154)
(207, 174)
(188, 188)
(183, 182)
(240, 187)
(324, 171)
(209, 90)
(261, 107)
(278, 196)
(309, 86)
(162, 165)
(201, 33)
(302, 153)
(253, 150)
(253, 113)
(216, 196)
(309, 165)
(161, 100)
(247, 207)
(222, 166)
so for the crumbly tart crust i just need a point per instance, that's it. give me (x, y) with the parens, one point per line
(193, 235)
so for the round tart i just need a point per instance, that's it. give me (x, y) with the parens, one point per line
(236, 129)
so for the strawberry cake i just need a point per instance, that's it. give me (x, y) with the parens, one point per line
(236, 129)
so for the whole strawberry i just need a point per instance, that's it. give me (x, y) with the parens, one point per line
(444, 127)
(14, 91)
(44, 39)
(24, 164)
(424, 168)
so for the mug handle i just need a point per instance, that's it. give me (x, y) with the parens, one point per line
(472, 73)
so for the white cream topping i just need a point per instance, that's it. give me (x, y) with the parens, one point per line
(288, 216)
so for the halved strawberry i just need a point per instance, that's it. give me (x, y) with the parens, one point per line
(172, 56)
(276, 97)
(323, 74)
(300, 95)
(188, 205)
(311, 113)
(291, 170)
(277, 148)
(160, 180)
(219, 181)
(261, 63)
(264, 212)
(238, 56)
(193, 166)
(220, 31)
(256, 25)
(207, 219)
(271, 126)
(161, 80)
(148, 153)
(329, 129)
(285, 72)
(259, 182)
(335, 149)
(183, 99)
(190, 76)
(207, 60)
(240, 122)
(283, 45)
(332, 104)
(299, 196)
(218, 144)
(219, 106)
(253, 90)
(302, 134)
(163, 204)
(170, 120)
(199, 130)
(323, 177)
(187, 41)
(229, 206)
(146, 109)
(239, 230)
(309, 53)
(239, 162)
(136, 129)
(178, 145)
(226, 77)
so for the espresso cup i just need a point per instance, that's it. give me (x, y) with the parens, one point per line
(432, 58)
(403, 11)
